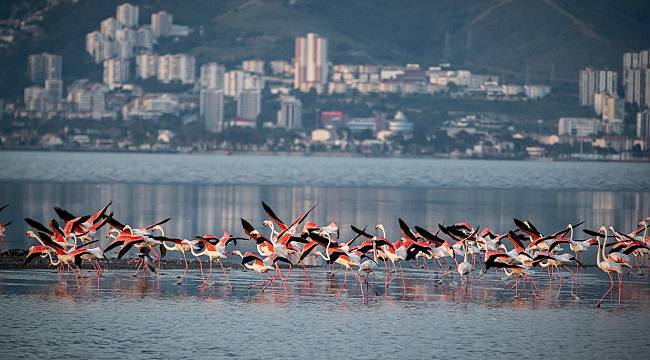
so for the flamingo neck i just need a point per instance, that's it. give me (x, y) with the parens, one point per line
(75, 240)
(374, 251)
(327, 249)
(272, 228)
(54, 263)
(604, 244)
(195, 253)
(465, 250)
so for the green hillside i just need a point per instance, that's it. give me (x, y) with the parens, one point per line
(536, 39)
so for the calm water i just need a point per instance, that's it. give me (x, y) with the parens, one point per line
(159, 319)
(206, 193)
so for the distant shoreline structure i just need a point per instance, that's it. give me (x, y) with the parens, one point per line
(585, 158)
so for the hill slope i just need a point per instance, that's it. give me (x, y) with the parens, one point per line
(538, 39)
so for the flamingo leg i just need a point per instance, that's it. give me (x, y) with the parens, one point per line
(572, 275)
(386, 281)
(278, 273)
(620, 287)
(363, 296)
(345, 278)
(210, 273)
(187, 267)
(67, 273)
(516, 286)
(137, 269)
(76, 279)
(403, 280)
(270, 282)
(225, 275)
(559, 274)
(307, 277)
(203, 279)
(611, 286)
(532, 284)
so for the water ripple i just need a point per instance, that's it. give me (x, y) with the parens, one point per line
(319, 171)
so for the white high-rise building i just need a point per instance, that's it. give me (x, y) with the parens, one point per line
(144, 38)
(161, 23)
(212, 76)
(54, 89)
(636, 78)
(643, 127)
(253, 66)
(146, 66)
(233, 82)
(596, 81)
(236, 81)
(123, 49)
(87, 97)
(290, 113)
(97, 98)
(109, 27)
(177, 67)
(116, 72)
(310, 63)
(253, 82)
(104, 50)
(281, 67)
(578, 126)
(128, 15)
(80, 99)
(166, 68)
(249, 104)
(636, 60)
(211, 109)
(635, 83)
(34, 98)
(91, 40)
(41, 67)
(126, 34)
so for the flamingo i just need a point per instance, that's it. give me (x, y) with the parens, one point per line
(66, 258)
(214, 249)
(37, 251)
(181, 245)
(334, 254)
(607, 265)
(254, 262)
(464, 268)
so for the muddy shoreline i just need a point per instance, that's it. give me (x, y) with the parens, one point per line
(15, 262)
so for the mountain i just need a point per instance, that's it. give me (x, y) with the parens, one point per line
(539, 40)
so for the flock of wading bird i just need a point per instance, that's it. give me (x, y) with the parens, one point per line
(518, 252)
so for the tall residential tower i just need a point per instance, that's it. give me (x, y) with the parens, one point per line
(310, 63)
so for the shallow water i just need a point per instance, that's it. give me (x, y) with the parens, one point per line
(321, 171)
(426, 317)
(197, 209)
(431, 318)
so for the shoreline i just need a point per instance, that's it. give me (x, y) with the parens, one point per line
(15, 262)
(325, 155)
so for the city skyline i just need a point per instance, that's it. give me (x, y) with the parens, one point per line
(143, 80)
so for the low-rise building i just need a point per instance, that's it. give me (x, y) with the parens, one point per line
(578, 126)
